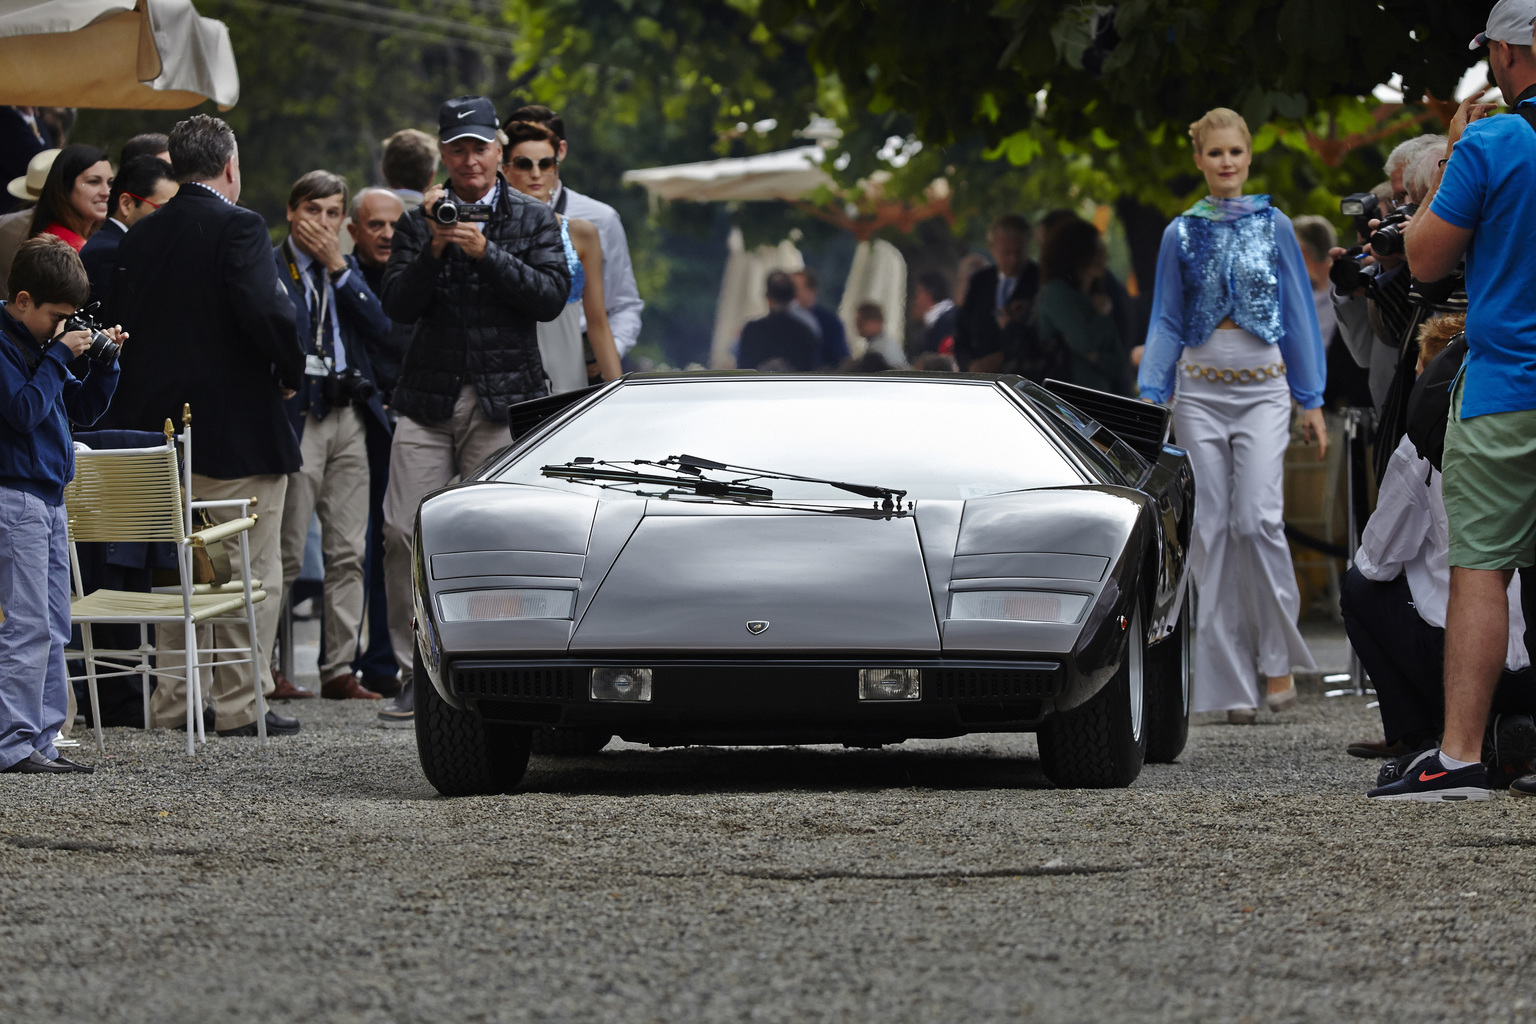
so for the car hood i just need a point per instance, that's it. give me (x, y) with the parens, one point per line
(819, 581)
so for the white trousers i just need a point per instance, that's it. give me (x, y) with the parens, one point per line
(1236, 435)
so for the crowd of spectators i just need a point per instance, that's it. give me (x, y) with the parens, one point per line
(365, 360)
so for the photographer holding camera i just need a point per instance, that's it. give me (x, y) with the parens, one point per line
(474, 268)
(338, 319)
(1483, 210)
(41, 335)
(1370, 290)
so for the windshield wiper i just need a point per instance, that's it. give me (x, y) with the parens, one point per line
(590, 469)
(890, 497)
(690, 476)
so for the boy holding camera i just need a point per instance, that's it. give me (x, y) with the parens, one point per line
(39, 397)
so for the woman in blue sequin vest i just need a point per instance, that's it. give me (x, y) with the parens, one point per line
(1234, 340)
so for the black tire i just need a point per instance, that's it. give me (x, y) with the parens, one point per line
(553, 742)
(461, 754)
(1101, 744)
(1168, 683)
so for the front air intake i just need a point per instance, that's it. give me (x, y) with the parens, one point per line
(498, 682)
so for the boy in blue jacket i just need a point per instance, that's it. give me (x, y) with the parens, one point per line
(39, 397)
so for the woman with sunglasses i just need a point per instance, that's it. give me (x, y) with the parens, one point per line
(529, 167)
(141, 187)
(73, 203)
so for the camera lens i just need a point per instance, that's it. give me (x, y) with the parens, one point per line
(446, 211)
(103, 349)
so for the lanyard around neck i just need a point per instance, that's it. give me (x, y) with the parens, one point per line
(324, 297)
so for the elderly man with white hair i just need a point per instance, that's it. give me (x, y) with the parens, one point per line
(1373, 326)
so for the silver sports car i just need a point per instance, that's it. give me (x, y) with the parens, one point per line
(741, 558)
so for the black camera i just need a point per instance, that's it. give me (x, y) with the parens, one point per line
(1347, 275)
(1362, 207)
(1388, 238)
(349, 387)
(102, 349)
(450, 211)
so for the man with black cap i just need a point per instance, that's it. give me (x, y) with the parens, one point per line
(473, 289)
(1483, 209)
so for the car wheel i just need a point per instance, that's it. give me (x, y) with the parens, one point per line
(1168, 682)
(554, 742)
(1101, 744)
(461, 754)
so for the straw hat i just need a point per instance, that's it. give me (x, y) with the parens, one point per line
(30, 185)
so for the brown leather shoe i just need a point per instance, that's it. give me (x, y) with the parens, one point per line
(286, 690)
(384, 686)
(346, 687)
(1377, 748)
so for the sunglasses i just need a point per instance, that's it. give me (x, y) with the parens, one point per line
(141, 199)
(525, 163)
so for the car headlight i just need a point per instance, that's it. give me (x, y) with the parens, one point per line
(1018, 605)
(507, 603)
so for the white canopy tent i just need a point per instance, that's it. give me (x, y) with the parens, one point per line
(879, 273)
(114, 54)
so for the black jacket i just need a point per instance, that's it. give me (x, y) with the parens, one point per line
(210, 325)
(387, 353)
(474, 319)
(780, 335)
(976, 330)
(99, 257)
(358, 314)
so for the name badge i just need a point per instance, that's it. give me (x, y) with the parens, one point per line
(314, 366)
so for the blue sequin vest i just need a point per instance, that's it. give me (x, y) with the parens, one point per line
(1230, 269)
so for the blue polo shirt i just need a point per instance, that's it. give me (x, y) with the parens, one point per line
(1490, 187)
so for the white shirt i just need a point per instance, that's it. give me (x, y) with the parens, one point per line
(621, 296)
(1408, 533)
(304, 261)
(937, 310)
(210, 188)
(120, 225)
(886, 345)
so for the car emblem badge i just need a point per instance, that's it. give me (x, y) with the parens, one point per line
(757, 626)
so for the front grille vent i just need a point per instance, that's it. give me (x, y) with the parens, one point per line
(515, 683)
(991, 684)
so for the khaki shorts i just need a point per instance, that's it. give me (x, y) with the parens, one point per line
(1490, 487)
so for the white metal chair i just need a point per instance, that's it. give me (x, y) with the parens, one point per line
(136, 495)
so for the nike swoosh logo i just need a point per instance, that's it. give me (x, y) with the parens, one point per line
(1425, 777)
(465, 114)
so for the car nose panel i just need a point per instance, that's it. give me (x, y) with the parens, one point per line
(820, 582)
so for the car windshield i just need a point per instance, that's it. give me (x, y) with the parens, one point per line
(934, 439)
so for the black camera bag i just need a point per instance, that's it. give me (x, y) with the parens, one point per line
(1429, 404)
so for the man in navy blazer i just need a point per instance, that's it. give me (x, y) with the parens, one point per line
(211, 329)
(142, 186)
(338, 319)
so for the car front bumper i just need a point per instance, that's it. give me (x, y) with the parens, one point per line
(724, 700)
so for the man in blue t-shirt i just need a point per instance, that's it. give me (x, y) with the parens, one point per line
(1484, 210)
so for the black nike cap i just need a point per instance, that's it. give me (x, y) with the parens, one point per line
(467, 117)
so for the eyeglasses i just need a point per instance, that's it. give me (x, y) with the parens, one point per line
(141, 199)
(525, 163)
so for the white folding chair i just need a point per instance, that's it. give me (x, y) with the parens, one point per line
(136, 495)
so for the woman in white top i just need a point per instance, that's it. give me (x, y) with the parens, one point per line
(528, 164)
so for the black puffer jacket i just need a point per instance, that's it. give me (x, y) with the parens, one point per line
(474, 319)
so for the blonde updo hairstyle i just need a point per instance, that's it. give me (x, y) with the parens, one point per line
(1219, 119)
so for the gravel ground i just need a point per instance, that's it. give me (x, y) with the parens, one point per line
(935, 881)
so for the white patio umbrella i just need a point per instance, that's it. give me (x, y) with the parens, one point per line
(789, 174)
(114, 54)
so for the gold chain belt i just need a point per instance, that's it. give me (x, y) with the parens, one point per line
(1231, 376)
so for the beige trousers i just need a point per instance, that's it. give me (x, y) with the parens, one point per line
(422, 459)
(333, 484)
(231, 689)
